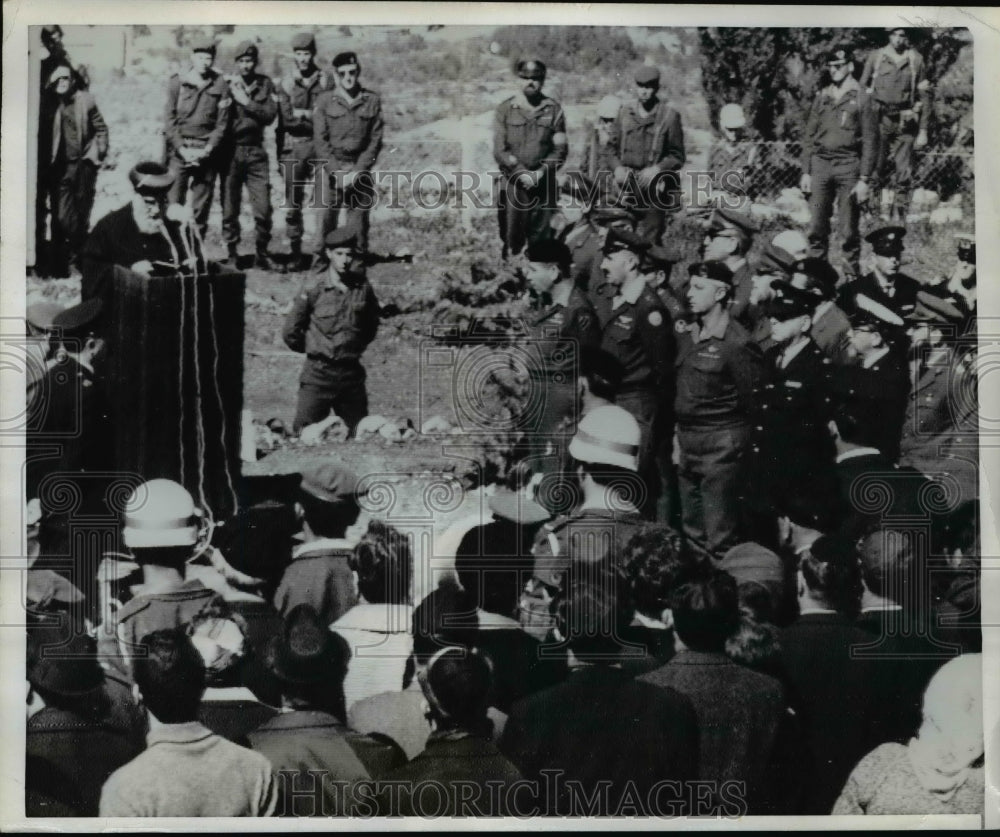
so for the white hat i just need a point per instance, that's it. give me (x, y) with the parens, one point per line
(732, 116)
(160, 513)
(607, 436)
(792, 242)
(609, 107)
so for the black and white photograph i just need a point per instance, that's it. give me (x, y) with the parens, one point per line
(498, 416)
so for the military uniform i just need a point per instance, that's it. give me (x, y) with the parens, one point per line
(839, 147)
(585, 245)
(527, 138)
(247, 163)
(717, 376)
(197, 117)
(880, 394)
(893, 81)
(332, 322)
(347, 134)
(731, 165)
(642, 138)
(831, 332)
(898, 295)
(297, 95)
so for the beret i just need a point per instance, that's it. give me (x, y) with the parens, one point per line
(246, 48)
(839, 54)
(887, 241)
(203, 43)
(304, 40)
(647, 75)
(774, 259)
(342, 59)
(341, 237)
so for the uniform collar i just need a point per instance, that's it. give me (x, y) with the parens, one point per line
(347, 100)
(717, 333)
(899, 59)
(195, 80)
(629, 292)
(838, 93)
(307, 82)
(788, 355)
(333, 281)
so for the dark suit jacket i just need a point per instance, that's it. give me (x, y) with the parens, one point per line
(600, 724)
(740, 713)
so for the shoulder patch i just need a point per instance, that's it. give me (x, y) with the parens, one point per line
(655, 318)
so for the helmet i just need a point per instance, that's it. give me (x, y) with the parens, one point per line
(161, 513)
(731, 116)
(609, 107)
(607, 436)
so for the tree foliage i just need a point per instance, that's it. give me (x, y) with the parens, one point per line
(575, 49)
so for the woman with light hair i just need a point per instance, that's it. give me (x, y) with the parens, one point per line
(941, 770)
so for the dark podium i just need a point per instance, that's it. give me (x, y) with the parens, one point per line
(176, 380)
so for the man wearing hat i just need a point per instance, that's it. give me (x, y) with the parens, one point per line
(254, 108)
(839, 152)
(878, 385)
(297, 95)
(561, 323)
(599, 152)
(332, 321)
(728, 240)
(636, 329)
(74, 140)
(717, 370)
(885, 284)
(732, 159)
(648, 152)
(791, 453)
(347, 136)
(831, 330)
(195, 125)
(773, 265)
(140, 235)
(529, 145)
(38, 353)
(895, 77)
(960, 286)
(585, 238)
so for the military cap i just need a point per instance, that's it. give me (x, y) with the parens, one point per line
(343, 59)
(868, 312)
(49, 31)
(149, 178)
(723, 219)
(41, 315)
(608, 107)
(647, 75)
(789, 302)
(549, 251)
(203, 43)
(73, 671)
(344, 236)
(330, 482)
(838, 54)
(79, 320)
(774, 259)
(624, 240)
(887, 241)
(732, 116)
(931, 308)
(304, 40)
(821, 274)
(751, 562)
(716, 271)
(661, 257)
(530, 68)
(246, 48)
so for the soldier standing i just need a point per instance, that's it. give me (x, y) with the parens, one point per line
(332, 321)
(839, 149)
(297, 95)
(347, 133)
(728, 240)
(254, 107)
(648, 151)
(600, 154)
(718, 369)
(894, 77)
(529, 145)
(885, 284)
(732, 158)
(197, 117)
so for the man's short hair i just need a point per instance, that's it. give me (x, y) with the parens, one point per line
(592, 615)
(384, 564)
(655, 565)
(706, 611)
(171, 676)
(329, 520)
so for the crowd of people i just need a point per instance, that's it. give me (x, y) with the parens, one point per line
(733, 567)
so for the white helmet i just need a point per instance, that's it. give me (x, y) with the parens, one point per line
(161, 513)
(732, 116)
(607, 435)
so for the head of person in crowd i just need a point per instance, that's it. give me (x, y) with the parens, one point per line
(64, 674)
(732, 122)
(150, 184)
(829, 577)
(851, 426)
(815, 275)
(532, 74)
(341, 249)
(898, 38)
(446, 617)
(607, 112)
(52, 38)
(383, 563)
(760, 578)
(949, 743)
(706, 611)
(793, 242)
(610, 218)
(773, 265)
(202, 55)
(889, 568)
(729, 236)
(657, 265)
(601, 375)
(790, 313)
(709, 288)
(39, 318)
(591, 616)
(623, 251)
(246, 58)
(839, 64)
(162, 529)
(222, 643)
(605, 452)
(655, 564)
(327, 502)
(348, 71)
(547, 264)
(755, 644)
(931, 317)
(647, 85)
(887, 250)
(170, 678)
(875, 329)
(457, 684)
(304, 53)
(60, 80)
(310, 662)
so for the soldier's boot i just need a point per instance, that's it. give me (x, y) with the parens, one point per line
(297, 261)
(262, 261)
